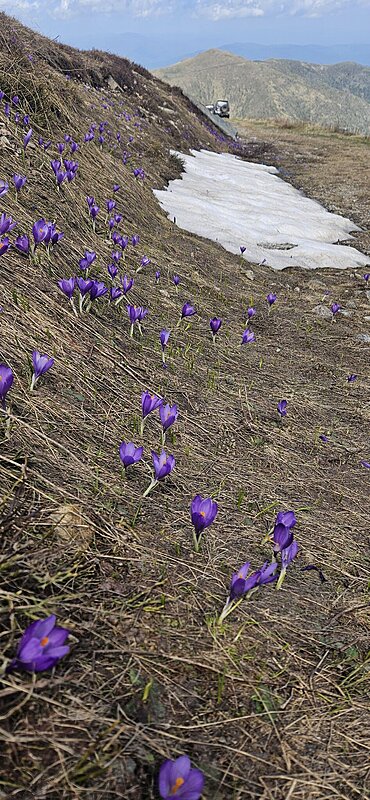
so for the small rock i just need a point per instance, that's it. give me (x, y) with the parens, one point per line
(70, 527)
(367, 319)
(250, 275)
(351, 303)
(4, 141)
(346, 313)
(322, 311)
(363, 337)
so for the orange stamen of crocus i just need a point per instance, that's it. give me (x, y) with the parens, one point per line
(177, 785)
(44, 641)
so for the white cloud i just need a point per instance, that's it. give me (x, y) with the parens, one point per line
(244, 8)
(229, 9)
(136, 8)
(212, 9)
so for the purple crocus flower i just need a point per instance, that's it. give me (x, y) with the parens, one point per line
(242, 249)
(113, 270)
(282, 537)
(135, 239)
(129, 454)
(334, 308)
(144, 261)
(54, 235)
(60, 177)
(15, 100)
(288, 554)
(84, 285)
(41, 646)
(177, 779)
(271, 298)
(251, 312)
(168, 415)
(282, 408)
(4, 188)
(6, 383)
(98, 289)
(67, 286)
(248, 336)
(164, 337)
(87, 260)
(157, 276)
(41, 364)
(19, 182)
(134, 313)
(127, 284)
(116, 187)
(143, 312)
(22, 244)
(162, 464)
(60, 147)
(187, 311)
(365, 464)
(115, 293)
(203, 513)
(149, 403)
(215, 325)
(367, 276)
(94, 211)
(4, 245)
(323, 438)
(352, 378)
(111, 204)
(241, 584)
(176, 280)
(287, 518)
(118, 218)
(238, 584)
(27, 137)
(116, 256)
(55, 165)
(40, 230)
(6, 224)
(7, 110)
(266, 574)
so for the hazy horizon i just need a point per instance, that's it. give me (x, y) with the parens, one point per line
(156, 35)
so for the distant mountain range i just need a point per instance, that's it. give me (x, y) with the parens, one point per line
(313, 53)
(330, 95)
(155, 52)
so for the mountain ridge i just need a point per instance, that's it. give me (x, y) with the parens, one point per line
(331, 95)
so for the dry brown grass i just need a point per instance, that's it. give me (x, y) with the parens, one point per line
(275, 705)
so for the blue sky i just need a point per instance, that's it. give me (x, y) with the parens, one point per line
(157, 33)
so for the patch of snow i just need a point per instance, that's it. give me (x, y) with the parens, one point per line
(237, 202)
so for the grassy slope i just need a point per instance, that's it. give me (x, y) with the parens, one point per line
(275, 88)
(273, 707)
